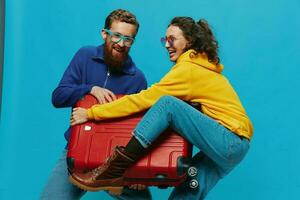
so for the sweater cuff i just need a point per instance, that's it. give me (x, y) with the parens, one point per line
(90, 113)
(85, 89)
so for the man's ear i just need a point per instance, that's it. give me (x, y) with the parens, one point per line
(103, 34)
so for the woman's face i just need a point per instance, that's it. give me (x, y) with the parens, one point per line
(175, 42)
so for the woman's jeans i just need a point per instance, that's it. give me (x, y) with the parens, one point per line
(58, 186)
(220, 149)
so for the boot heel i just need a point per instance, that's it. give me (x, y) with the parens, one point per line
(115, 190)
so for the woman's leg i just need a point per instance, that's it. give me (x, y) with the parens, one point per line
(216, 141)
(208, 175)
(221, 150)
(58, 186)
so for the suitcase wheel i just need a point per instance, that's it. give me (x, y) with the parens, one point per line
(194, 184)
(163, 186)
(115, 191)
(161, 177)
(192, 171)
(70, 163)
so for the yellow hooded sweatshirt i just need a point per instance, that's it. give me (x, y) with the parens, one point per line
(193, 78)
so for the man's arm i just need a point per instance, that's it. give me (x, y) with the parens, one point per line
(71, 87)
(73, 84)
(142, 81)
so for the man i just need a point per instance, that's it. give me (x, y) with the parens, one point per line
(102, 71)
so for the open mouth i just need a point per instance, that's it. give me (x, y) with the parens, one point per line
(172, 53)
(119, 50)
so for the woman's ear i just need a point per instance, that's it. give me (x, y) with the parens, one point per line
(188, 45)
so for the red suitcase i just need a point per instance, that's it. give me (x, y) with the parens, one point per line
(166, 163)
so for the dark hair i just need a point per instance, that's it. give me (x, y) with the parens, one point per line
(199, 36)
(122, 16)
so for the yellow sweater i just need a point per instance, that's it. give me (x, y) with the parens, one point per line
(193, 78)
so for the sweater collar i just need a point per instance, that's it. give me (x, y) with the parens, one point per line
(199, 59)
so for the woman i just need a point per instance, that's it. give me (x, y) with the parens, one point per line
(222, 132)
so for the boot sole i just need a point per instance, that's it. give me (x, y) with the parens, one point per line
(114, 190)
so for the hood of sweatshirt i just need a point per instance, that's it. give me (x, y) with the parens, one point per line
(199, 59)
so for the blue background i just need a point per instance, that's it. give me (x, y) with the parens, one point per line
(259, 46)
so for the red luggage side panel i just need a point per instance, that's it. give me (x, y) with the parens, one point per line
(92, 142)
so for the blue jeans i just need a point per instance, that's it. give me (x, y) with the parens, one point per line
(220, 149)
(58, 186)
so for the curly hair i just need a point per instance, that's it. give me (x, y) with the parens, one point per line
(199, 36)
(121, 16)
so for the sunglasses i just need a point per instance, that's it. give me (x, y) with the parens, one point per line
(170, 40)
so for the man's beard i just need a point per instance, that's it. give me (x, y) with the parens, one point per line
(114, 63)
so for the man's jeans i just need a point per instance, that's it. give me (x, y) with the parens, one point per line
(220, 149)
(58, 186)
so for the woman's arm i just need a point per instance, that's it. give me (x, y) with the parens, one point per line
(175, 83)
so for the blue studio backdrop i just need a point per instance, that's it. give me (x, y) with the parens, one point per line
(259, 46)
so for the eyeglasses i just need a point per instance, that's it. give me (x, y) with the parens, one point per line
(117, 37)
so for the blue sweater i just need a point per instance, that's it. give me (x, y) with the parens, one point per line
(87, 69)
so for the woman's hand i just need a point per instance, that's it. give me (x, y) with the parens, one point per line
(79, 116)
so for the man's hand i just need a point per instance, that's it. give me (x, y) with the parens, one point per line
(79, 116)
(137, 187)
(103, 95)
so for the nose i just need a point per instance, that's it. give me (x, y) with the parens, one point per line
(167, 45)
(121, 43)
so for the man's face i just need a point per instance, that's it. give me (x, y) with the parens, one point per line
(115, 54)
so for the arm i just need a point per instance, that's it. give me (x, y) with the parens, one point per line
(142, 84)
(71, 87)
(175, 83)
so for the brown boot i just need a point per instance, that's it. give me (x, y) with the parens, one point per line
(108, 176)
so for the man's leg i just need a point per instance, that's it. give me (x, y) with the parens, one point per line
(221, 150)
(58, 186)
(131, 194)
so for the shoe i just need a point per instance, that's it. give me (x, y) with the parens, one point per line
(108, 176)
